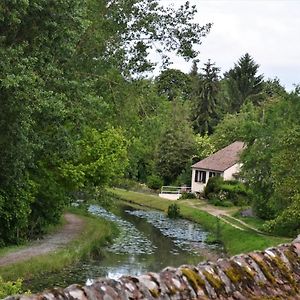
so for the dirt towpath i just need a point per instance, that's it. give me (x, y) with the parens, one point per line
(224, 215)
(74, 225)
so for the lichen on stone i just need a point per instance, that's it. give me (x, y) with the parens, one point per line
(214, 280)
(193, 278)
(233, 274)
(263, 266)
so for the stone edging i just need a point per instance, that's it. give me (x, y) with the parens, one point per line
(270, 274)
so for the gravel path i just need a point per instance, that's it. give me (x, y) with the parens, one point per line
(49, 243)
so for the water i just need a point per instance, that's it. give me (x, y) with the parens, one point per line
(148, 241)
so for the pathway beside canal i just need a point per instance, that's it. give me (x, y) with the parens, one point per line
(50, 243)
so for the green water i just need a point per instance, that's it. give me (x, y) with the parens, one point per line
(148, 242)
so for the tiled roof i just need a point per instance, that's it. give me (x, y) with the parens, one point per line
(223, 159)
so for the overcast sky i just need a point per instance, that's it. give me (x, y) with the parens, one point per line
(269, 30)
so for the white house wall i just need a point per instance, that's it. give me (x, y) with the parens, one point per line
(228, 174)
(198, 186)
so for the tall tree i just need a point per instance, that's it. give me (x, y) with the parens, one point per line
(243, 83)
(67, 87)
(205, 99)
(173, 84)
(176, 145)
(271, 164)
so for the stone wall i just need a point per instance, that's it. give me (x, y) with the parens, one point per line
(270, 274)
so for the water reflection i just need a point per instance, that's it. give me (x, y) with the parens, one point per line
(185, 234)
(130, 240)
(148, 241)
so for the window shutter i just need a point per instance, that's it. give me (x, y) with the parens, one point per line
(204, 177)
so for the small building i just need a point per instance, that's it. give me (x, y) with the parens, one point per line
(223, 163)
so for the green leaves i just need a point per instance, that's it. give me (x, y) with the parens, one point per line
(99, 157)
(72, 115)
(176, 145)
(271, 164)
(133, 29)
(243, 83)
(205, 92)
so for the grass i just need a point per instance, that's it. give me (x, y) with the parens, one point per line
(235, 241)
(235, 222)
(99, 233)
(252, 221)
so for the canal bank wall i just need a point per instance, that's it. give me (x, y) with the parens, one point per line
(270, 274)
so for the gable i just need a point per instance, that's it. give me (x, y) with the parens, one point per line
(222, 159)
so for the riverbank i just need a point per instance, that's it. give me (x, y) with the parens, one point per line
(235, 241)
(98, 231)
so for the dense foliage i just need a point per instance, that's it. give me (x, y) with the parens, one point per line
(227, 193)
(173, 211)
(73, 118)
(271, 159)
(78, 112)
(8, 288)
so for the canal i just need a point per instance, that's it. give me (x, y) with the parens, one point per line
(148, 241)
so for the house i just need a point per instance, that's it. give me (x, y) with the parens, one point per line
(223, 163)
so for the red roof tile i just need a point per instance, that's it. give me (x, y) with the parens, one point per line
(223, 159)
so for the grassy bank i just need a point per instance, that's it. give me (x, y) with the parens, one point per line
(96, 234)
(235, 241)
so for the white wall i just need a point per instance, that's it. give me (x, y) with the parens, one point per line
(198, 186)
(228, 174)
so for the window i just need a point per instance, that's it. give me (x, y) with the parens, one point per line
(200, 176)
(212, 174)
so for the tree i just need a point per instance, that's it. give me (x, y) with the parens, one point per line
(271, 165)
(67, 94)
(273, 88)
(176, 145)
(204, 146)
(243, 83)
(205, 99)
(121, 34)
(173, 84)
(36, 41)
(242, 126)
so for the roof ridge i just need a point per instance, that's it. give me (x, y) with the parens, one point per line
(222, 159)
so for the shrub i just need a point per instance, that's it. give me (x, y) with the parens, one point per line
(237, 192)
(131, 185)
(8, 288)
(231, 190)
(213, 185)
(186, 195)
(125, 183)
(154, 182)
(173, 211)
(288, 222)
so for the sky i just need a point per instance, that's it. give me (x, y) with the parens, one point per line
(269, 30)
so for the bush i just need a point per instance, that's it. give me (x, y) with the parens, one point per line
(173, 211)
(125, 183)
(213, 185)
(288, 222)
(186, 195)
(131, 185)
(8, 288)
(154, 182)
(231, 190)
